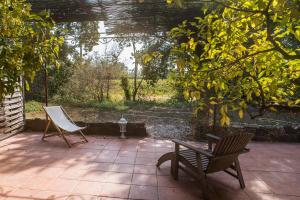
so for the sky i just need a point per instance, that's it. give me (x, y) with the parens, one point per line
(125, 56)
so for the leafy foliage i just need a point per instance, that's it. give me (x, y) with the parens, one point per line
(84, 35)
(92, 80)
(125, 86)
(27, 43)
(243, 53)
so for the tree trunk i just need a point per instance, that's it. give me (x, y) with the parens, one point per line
(135, 73)
(80, 49)
(107, 86)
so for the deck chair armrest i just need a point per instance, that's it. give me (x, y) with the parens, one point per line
(196, 149)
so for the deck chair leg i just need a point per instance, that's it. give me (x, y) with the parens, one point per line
(63, 136)
(65, 139)
(239, 173)
(46, 129)
(83, 136)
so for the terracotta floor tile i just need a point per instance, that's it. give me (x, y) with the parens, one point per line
(109, 153)
(143, 179)
(146, 149)
(282, 183)
(165, 170)
(146, 155)
(38, 183)
(264, 196)
(5, 191)
(22, 194)
(88, 187)
(112, 167)
(109, 198)
(62, 185)
(125, 168)
(52, 195)
(94, 175)
(73, 173)
(114, 177)
(168, 181)
(133, 149)
(163, 150)
(50, 172)
(82, 197)
(143, 192)
(125, 160)
(90, 156)
(106, 159)
(165, 193)
(102, 166)
(125, 153)
(115, 190)
(112, 147)
(230, 195)
(145, 169)
(145, 161)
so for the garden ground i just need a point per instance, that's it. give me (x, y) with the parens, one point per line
(162, 121)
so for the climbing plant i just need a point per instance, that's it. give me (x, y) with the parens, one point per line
(28, 42)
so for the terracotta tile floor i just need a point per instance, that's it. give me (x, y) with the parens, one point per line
(111, 169)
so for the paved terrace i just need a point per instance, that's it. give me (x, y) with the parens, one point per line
(114, 169)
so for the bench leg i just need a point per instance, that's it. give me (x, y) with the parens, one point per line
(239, 173)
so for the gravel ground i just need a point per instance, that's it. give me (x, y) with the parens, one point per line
(167, 122)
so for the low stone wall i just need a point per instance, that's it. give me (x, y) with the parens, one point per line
(270, 134)
(109, 128)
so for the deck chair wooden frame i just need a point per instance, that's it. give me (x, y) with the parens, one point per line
(60, 130)
(221, 155)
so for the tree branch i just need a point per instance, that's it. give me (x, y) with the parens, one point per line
(272, 40)
(238, 9)
(238, 60)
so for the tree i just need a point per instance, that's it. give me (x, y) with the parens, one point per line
(27, 43)
(92, 79)
(84, 35)
(146, 68)
(68, 58)
(242, 53)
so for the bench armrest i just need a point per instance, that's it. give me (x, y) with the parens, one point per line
(213, 137)
(196, 149)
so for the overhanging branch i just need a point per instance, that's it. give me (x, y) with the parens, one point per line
(238, 60)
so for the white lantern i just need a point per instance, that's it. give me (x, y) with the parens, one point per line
(122, 123)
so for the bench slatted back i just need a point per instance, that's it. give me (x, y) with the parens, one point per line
(226, 151)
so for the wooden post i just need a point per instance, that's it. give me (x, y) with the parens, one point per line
(46, 88)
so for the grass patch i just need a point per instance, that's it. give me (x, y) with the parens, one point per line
(107, 105)
(123, 105)
(33, 106)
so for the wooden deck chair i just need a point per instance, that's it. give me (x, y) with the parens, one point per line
(63, 124)
(221, 155)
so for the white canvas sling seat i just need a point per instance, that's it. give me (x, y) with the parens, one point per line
(62, 122)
